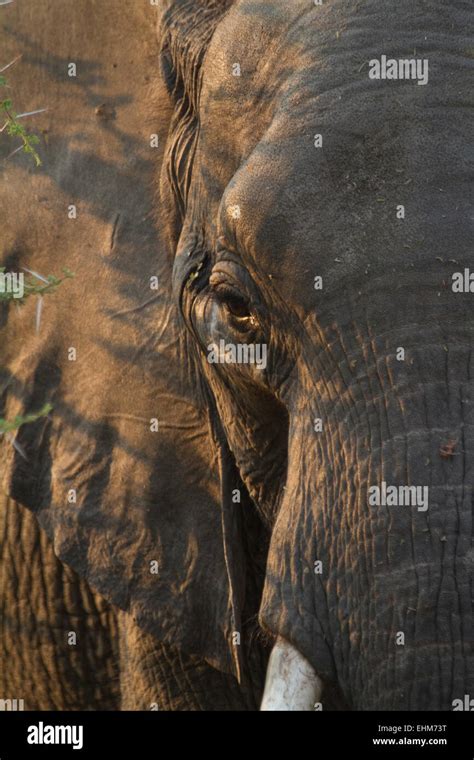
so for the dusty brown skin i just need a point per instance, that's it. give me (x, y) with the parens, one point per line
(167, 496)
(141, 496)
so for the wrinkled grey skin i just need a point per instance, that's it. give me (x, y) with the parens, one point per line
(333, 353)
(248, 142)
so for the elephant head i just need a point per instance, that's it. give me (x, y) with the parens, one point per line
(303, 370)
(321, 215)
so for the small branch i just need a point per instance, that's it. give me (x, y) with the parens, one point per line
(15, 129)
(13, 126)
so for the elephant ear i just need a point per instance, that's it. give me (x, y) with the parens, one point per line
(128, 473)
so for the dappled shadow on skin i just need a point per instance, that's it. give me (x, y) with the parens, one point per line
(100, 184)
(28, 436)
(57, 66)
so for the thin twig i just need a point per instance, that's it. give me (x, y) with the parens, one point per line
(30, 113)
(16, 446)
(13, 152)
(35, 274)
(11, 63)
(39, 311)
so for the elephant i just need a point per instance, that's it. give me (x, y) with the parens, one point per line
(255, 483)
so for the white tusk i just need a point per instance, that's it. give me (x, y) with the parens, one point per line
(291, 683)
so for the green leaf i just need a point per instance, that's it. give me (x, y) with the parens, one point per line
(15, 129)
(18, 421)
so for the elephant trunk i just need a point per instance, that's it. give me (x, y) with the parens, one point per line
(371, 563)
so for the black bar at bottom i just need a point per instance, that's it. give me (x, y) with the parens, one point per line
(141, 734)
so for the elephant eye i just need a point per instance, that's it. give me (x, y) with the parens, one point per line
(236, 304)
